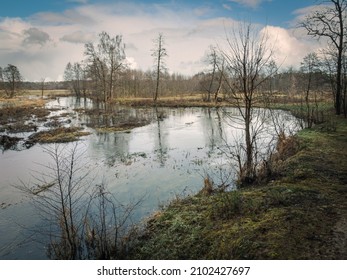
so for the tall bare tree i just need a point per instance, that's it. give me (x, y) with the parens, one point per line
(247, 57)
(106, 60)
(329, 22)
(159, 53)
(42, 84)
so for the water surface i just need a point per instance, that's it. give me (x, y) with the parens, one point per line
(170, 156)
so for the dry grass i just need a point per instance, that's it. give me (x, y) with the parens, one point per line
(186, 101)
(58, 135)
(22, 101)
(34, 94)
(21, 110)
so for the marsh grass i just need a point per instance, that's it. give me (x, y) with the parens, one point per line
(58, 135)
(19, 112)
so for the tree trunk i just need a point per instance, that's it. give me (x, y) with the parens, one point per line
(248, 176)
(158, 78)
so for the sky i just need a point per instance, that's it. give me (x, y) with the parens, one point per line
(41, 37)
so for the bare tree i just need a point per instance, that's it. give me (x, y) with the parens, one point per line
(81, 222)
(213, 80)
(330, 22)
(247, 57)
(75, 75)
(42, 83)
(105, 62)
(159, 53)
(108, 226)
(12, 79)
(60, 197)
(310, 67)
(1, 78)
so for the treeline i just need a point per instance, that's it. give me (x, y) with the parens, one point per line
(104, 74)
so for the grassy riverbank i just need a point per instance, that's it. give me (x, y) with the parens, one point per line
(301, 213)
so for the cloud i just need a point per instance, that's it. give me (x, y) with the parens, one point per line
(78, 15)
(54, 39)
(201, 11)
(131, 46)
(309, 9)
(78, 37)
(301, 14)
(132, 64)
(250, 3)
(289, 49)
(34, 36)
(227, 7)
(11, 34)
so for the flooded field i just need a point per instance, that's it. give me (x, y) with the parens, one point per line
(164, 153)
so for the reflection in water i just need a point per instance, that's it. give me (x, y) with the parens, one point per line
(171, 155)
(161, 144)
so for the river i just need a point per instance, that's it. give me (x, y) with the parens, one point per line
(168, 157)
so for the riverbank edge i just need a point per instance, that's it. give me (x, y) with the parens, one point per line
(299, 213)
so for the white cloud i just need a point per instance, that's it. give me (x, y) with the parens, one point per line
(301, 14)
(309, 9)
(289, 49)
(131, 62)
(187, 37)
(250, 3)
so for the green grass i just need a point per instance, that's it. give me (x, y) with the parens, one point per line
(295, 216)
